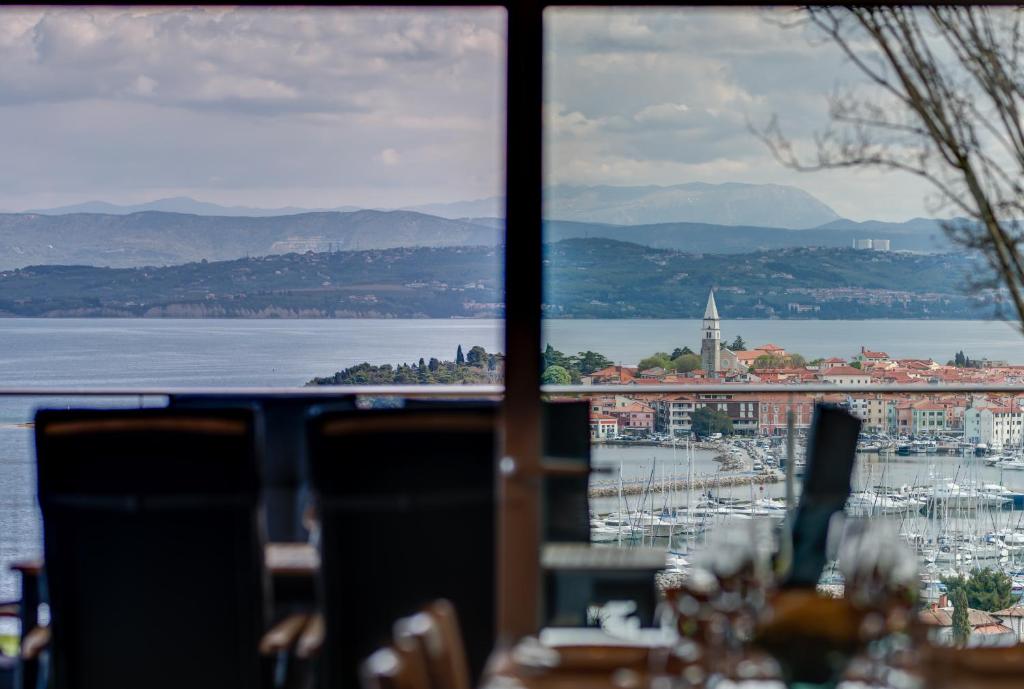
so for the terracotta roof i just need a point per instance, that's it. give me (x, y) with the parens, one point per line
(1013, 611)
(992, 629)
(843, 371)
(943, 617)
(771, 348)
(834, 360)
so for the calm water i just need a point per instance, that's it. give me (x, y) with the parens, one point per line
(77, 352)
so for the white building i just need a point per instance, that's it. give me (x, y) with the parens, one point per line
(845, 375)
(603, 427)
(994, 426)
(1012, 617)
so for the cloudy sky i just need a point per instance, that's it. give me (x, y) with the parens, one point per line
(662, 97)
(264, 107)
(324, 107)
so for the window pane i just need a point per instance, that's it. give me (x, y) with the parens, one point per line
(243, 197)
(722, 207)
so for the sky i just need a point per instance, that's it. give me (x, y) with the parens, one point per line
(321, 107)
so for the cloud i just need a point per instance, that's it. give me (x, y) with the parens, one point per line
(654, 96)
(225, 103)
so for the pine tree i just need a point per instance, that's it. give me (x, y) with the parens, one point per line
(460, 358)
(961, 620)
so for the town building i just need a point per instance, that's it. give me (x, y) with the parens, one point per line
(868, 356)
(773, 411)
(674, 413)
(986, 628)
(1001, 426)
(1012, 617)
(711, 338)
(872, 410)
(603, 427)
(845, 375)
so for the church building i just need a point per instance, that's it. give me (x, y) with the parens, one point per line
(716, 360)
(711, 339)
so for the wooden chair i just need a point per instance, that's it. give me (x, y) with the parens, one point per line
(406, 499)
(154, 550)
(434, 637)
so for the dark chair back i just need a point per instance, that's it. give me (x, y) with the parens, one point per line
(831, 451)
(566, 494)
(285, 487)
(153, 546)
(407, 507)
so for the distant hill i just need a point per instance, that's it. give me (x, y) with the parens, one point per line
(767, 205)
(158, 238)
(924, 237)
(406, 283)
(586, 278)
(181, 204)
(490, 207)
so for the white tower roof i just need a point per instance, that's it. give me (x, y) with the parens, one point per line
(711, 312)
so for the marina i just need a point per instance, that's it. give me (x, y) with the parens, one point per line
(955, 512)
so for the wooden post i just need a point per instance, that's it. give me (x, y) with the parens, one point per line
(519, 459)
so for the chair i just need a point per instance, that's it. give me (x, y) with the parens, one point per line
(566, 442)
(283, 464)
(154, 549)
(831, 452)
(433, 636)
(407, 507)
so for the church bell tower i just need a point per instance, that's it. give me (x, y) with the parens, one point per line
(711, 338)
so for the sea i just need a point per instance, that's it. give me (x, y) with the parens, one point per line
(173, 353)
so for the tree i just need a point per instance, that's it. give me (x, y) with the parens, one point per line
(945, 103)
(770, 361)
(553, 357)
(433, 365)
(555, 375)
(961, 619)
(686, 362)
(677, 352)
(855, 364)
(492, 362)
(460, 358)
(659, 360)
(738, 345)
(797, 361)
(706, 421)
(476, 356)
(986, 589)
(587, 362)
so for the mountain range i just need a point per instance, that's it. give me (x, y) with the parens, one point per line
(181, 230)
(157, 238)
(769, 205)
(586, 278)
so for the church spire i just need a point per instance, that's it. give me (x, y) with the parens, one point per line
(711, 338)
(711, 312)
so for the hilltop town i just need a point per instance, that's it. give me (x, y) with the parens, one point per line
(993, 419)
